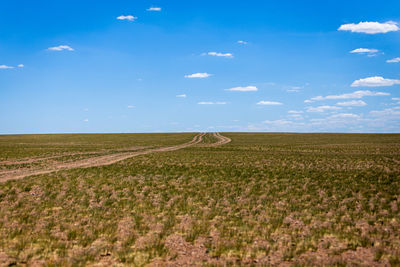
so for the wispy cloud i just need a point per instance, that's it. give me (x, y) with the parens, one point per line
(61, 48)
(295, 89)
(370, 27)
(337, 121)
(269, 103)
(364, 50)
(211, 103)
(322, 108)
(334, 120)
(295, 111)
(198, 75)
(374, 82)
(86, 120)
(344, 116)
(154, 9)
(356, 94)
(217, 54)
(249, 88)
(242, 42)
(296, 116)
(182, 95)
(277, 122)
(353, 103)
(131, 106)
(389, 112)
(5, 67)
(128, 17)
(11, 67)
(394, 60)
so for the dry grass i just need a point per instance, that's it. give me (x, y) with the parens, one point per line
(263, 199)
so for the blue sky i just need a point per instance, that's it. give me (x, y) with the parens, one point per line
(150, 66)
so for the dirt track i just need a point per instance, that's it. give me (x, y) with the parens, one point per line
(222, 140)
(38, 159)
(105, 159)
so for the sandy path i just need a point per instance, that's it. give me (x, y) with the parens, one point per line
(222, 140)
(93, 161)
(105, 159)
(103, 151)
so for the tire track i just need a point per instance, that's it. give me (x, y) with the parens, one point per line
(222, 140)
(94, 161)
(37, 159)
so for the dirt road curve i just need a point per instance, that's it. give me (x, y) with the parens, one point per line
(222, 140)
(104, 160)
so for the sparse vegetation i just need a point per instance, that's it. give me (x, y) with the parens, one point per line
(262, 199)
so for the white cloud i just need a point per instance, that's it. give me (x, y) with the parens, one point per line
(243, 89)
(280, 125)
(61, 48)
(394, 60)
(242, 42)
(396, 98)
(20, 65)
(6, 67)
(86, 120)
(337, 121)
(182, 95)
(353, 103)
(374, 82)
(211, 103)
(296, 116)
(370, 27)
(387, 113)
(154, 9)
(356, 94)
(198, 75)
(217, 54)
(322, 108)
(364, 51)
(128, 17)
(131, 106)
(295, 111)
(344, 116)
(294, 88)
(269, 103)
(277, 122)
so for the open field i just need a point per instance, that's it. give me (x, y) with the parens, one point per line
(92, 159)
(229, 199)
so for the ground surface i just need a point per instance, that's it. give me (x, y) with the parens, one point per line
(184, 199)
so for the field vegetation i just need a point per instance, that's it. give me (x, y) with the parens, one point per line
(261, 199)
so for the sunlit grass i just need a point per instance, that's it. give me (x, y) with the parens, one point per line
(317, 199)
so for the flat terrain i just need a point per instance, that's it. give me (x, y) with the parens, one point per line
(101, 158)
(206, 199)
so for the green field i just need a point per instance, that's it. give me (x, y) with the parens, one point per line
(262, 199)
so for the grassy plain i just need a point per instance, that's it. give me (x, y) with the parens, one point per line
(262, 199)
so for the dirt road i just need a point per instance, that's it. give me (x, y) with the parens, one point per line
(222, 140)
(38, 159)
(104, 159)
